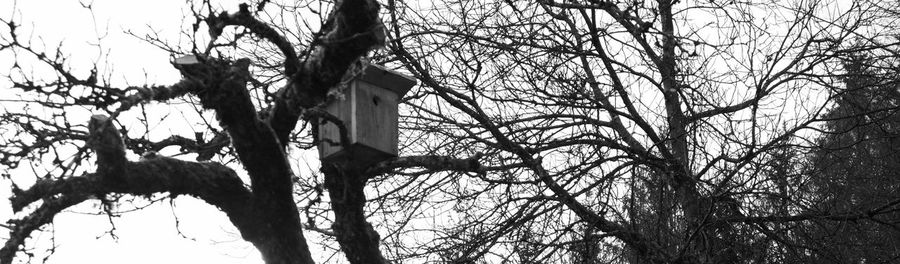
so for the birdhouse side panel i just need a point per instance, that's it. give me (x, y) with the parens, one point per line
(329, 133)
(376, 118)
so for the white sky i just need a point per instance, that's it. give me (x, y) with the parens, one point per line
(149, 235)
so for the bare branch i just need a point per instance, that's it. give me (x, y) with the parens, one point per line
(22, 228)
(245, 19)
(430, 163)
(350, 32)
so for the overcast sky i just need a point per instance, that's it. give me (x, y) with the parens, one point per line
(149, 235)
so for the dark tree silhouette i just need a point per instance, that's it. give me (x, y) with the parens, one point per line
(541, 132)
(674, 129)
(265, 213)
(857, 168)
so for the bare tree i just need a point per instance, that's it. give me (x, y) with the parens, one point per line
(542, 132)
(255, 130)
(657, 124)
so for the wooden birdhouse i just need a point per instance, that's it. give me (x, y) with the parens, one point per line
(368, 110)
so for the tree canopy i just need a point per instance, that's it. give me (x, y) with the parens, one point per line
(539, 132)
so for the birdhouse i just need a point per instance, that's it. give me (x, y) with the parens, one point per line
(368, 110)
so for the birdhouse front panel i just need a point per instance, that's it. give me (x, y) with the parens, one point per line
(375, 115)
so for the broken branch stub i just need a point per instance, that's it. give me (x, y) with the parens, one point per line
(107, 143)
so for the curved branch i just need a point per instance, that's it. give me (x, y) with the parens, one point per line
(350, 32)
(245, 19)
(279, 234)
(22, 228)
(205, 149)
(157, 93)
(214, 183)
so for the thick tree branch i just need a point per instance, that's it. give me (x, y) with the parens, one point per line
(22, 228)
(431, 163)
(245, 19)
(157, 93)
(357, 238)
(214, 183)
(350, 32)
(205, 149)
(280, 239)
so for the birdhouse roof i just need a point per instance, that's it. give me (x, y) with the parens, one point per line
(388, 79)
